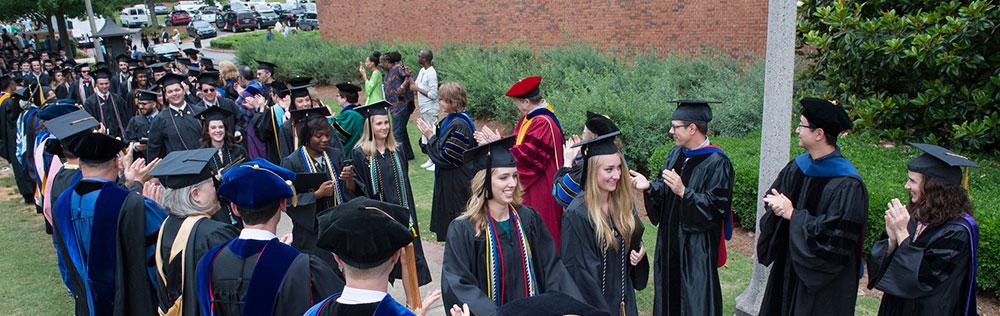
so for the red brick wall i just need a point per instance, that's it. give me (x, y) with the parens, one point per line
(738, 27)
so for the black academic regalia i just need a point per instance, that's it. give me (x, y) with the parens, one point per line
(138, 127)
(10, 111)
(226, 157)
(289, 136)
(815, 257)
(926, 276)
(451, 176)
(307, 281)
(173, 131)
(463, 275)
(305, 225)
(331, 307)
(62, 180)
(120, 86)
(387, 189)
(235, 122)
(63, 91)
(87, 90)
(690, 228)
(204, 235)
(133, 288)
(114, 113)
(268, 131)
(599, 273)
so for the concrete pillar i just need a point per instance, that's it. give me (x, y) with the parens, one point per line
(776, 126)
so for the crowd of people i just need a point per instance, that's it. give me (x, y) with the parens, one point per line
(162, 180)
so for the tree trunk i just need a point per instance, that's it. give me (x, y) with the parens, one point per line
(151, 11)
(64, 35)
(50, 38)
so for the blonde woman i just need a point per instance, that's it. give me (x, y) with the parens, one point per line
(602, 234)
(229, 75)
(188, 232)
(384, 174)
(499, 250)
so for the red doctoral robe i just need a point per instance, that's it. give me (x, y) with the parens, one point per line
(538, 150)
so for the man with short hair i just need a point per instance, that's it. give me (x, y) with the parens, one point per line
(426, 86)
(122, 82)
(265, 75)
(348, 123)
(109, 108)
(137, 132)
(177, 128)
(208, 94)
(38, 79)
(83, 86)
(691, 203)
(813, 232)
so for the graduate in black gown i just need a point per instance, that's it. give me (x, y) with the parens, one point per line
(177, 128)
(384, 174)
(137, 132)
(108, 107)
(208, 83)
(267, 123)
(298, 88)
(445, 144)
(367, 238)
(813, 231)
(105, 235)
(499, 250)
(218, 134)
(188, 232)
(602, 233)
(316, 158)
(255, 272)
(925, 262)
(690, 201)
(11, 108)
(566, 184)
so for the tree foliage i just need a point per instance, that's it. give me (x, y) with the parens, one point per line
(919, 70)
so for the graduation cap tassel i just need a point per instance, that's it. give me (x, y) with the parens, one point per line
(965, 178)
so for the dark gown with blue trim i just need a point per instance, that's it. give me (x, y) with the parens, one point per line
(598, 273)
(690, 228)
(463, 275)
(205, 234)
(451, 176)
(923, 276)
(815, 256)
(330, 307)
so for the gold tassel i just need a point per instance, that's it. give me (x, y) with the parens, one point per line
(965, 178)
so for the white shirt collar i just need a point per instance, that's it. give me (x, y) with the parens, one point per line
(256, 234)
(102, 95)
(353, 296)
(704, 144)
(179, 109)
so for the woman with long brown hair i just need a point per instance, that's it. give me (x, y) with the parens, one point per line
(499, 250)
(217, 134)
(602, 234)
(925, 262)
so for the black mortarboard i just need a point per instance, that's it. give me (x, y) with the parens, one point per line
(347, 87)
(157, 67)
(206, 63)
(600, 124)
(148, 95)
(298, 115)
(21, 94)
(100, 64)
(209, 77)
(278, 87)
(148, 59)
(377, 108)
(184, 60)
(184, 168)
(122, 57)
(365, 233)
(832, 118)
(190, 51)
(169, 79)
(693, 110)
(597, 146)
(299, 86)
(96, 147)
(493, 155)
(266, 66)
(214, 113)
(549, 304)
(71, 124)
(164, 58)
(101, 73)
(939, 162)
(193, 71)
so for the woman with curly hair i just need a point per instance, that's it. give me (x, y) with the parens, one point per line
(925, 262)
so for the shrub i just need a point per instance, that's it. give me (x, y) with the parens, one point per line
(633, 88)
(230, 42)
(884, 173)
(915, 70)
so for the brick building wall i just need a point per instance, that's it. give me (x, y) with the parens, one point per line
(737, 27)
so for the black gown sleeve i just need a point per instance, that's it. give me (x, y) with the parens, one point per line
(581, 255)
(556, 278)
(821, 246)
(640, 272)
(773, 229)
(458, 280)
(915, 270)
(264, 126)
(705, 205)
(305, 228)
(133, 295)
(659, 195)
(157, 137)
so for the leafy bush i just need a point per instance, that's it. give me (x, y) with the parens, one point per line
(633, 88)
(884, 172)
(916, 70)
(230, 42)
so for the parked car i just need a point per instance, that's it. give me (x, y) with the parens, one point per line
(309, 7)
(207, 14)
(308, 22)
(135, 17)
(188, 6)
(236, 6)
(234, 21)
(201, 29)
(266, 19)
(290, 17)
(178, 17)
(160, 9)
(165, 49)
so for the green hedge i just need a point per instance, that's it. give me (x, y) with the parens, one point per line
(230, 42)
(632, 87)
(884, 172)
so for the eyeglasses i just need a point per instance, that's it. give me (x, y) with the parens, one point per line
(680, 126)
(807, 126)
(207, 90)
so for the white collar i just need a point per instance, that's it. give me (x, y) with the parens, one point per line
(542, 105)
(256, 234)
(353, 296)
(704, 144)
(102, 95)
(179, 109)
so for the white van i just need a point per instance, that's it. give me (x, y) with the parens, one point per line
(135, 17)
